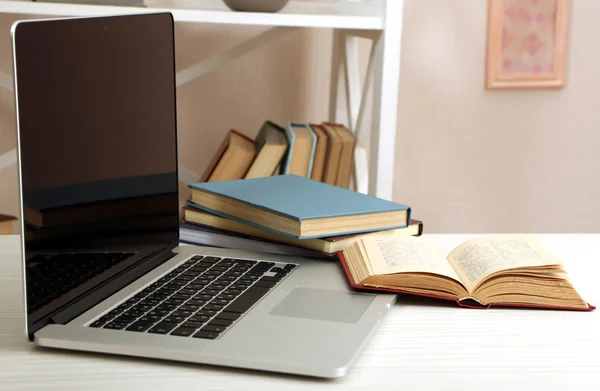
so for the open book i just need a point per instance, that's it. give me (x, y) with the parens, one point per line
(495, 270)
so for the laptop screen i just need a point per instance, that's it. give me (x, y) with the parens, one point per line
(96, 111)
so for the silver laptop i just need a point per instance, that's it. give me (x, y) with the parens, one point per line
(103, 269)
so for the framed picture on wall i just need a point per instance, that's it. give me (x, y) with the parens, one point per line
(527, 43)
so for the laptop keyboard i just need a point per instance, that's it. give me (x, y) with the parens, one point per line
(201, 298)
(50, 276)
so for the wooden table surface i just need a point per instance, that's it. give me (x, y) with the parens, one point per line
(421, 345)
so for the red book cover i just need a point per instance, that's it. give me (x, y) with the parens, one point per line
(220, 152)
(463, 304)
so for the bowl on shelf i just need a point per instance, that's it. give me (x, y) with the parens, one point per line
(256, 5)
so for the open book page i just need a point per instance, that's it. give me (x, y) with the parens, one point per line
(478, 258)
(406, 254)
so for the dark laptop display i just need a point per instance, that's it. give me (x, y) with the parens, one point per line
(98, 152)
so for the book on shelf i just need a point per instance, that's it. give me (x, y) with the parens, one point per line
(232, 160)
(320, 152)
(298, 207)
(302, 142)
(334, 153)
(512, 271)
(328, 245)
(206, 236)
(271, 146)
(348, 141)
(6, 224)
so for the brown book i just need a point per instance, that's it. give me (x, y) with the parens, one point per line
(334, 152)
(6, 224)
(487, 271)
(232, 160)
(328, 245)
(300, 153)
(271, 145)
(320, 153)
(346, 156)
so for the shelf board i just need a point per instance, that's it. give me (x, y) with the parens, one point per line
(340, 15)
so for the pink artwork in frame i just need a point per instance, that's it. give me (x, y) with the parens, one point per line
(527, 43)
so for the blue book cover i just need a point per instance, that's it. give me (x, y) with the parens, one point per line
(291, 137)
(313, 135)
(299, 199)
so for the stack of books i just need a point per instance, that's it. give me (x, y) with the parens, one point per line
(374, 241)
(321, 152)
(289, 214)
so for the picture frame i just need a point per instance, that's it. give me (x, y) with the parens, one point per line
(527, 43)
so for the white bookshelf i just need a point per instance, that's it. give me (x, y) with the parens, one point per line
(351, 101)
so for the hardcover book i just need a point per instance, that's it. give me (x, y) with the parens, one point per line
(302, 141)
(271, 144)
(298, 207)
(205, 236)
(328, 245)
(320, 153)
(348, 140)
(232, 160)
(334, 153)
(503, 271)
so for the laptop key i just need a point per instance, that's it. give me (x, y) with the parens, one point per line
(217, 287)
(193, 325)
(227, 316)
(174, 319)
(263, 266)
(199, 319)
(214, 328)
(220, 301)
(188, 307)
(98, 323)
(273, 279)
(265, 284)
(183, 331)
(108, 317)
(214, 307)
(206, 312)
(195, 302)
(139, 326)
(206, 335)
(150, 318)
(247, 299)
(125, 319)
(163, 328)
(180, 312)
(115, 326)
(220, 322)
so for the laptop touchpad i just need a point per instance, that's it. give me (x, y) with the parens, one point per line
(324, 304)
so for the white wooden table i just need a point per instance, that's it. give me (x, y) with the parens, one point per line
(421, 345)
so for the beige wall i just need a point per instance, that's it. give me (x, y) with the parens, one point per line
(468, 160)
(473, 160)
